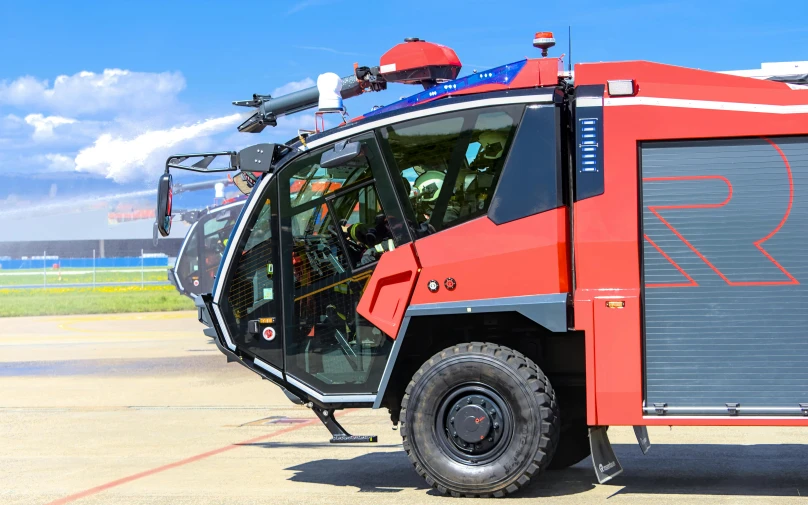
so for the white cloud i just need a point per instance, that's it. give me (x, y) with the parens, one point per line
(122, 145)
(126, 159)
(89, 92)
(11, 122)
(44, 125)
(293, 86)
(60, 163)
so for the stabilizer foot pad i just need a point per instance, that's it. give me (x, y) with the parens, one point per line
(354, 439)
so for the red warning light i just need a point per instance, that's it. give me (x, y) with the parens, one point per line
(543, 41)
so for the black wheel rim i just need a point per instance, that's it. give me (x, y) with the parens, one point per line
(474, 424)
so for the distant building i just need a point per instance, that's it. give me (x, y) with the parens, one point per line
(72, 234)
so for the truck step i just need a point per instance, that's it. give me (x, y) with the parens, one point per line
(354, 439)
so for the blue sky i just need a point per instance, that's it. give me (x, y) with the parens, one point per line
(142, 80)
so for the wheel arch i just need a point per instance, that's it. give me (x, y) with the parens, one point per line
(536, 326)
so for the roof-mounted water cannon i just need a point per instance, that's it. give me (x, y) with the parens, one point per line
(329, 86)
(413, 62)
(543, 41)
(330, 102)
(419, 62)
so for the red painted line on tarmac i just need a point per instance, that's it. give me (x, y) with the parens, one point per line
(192, 459)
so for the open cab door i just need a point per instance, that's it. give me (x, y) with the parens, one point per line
(287, 296)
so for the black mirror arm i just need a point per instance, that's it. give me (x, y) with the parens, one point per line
(177, 161)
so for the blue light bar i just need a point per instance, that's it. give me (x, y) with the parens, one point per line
(498, 75)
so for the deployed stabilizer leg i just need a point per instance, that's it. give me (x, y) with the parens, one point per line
(338, 433)
(603, 458)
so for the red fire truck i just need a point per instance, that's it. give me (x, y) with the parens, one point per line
(512, 261)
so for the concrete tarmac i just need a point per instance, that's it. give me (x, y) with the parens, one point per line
(143, 409)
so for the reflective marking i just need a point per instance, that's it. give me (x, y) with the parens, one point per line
(406, 116)
(269, 368)
(330, 398)
(218, 313)
(705, 104)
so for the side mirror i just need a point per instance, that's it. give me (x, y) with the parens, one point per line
(341, 154)
(164, 197)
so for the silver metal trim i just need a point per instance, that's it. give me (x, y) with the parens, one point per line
(223, 326)
(391, 361)
(546, 97)
(330, 398)
(706, 104)
(742, 411)
(269, 368)
(548, 310)
(589, 101)
(738, 419)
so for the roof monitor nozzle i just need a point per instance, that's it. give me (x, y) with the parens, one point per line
(543, 41)
(329, 86)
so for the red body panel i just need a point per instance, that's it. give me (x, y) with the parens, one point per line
(524, 257)
(607, 240)
(387, 294)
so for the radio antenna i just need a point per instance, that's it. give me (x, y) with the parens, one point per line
(569, 41)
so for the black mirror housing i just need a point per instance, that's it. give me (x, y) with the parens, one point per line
(341, 154)
(165, 196)
(260, 157)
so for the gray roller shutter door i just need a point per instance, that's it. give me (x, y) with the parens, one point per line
(726, 290)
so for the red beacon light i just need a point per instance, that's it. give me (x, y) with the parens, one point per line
(543, 41)
(419, 62)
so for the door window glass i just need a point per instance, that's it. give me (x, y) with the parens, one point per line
(250, 291)
(364, 226)
(309, 181)
(338, 230)
(316, 252)
(451, 163)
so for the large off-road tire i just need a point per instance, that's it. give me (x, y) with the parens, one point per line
(573, 446)
(479, 419)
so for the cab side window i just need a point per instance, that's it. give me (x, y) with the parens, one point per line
(450, 164)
